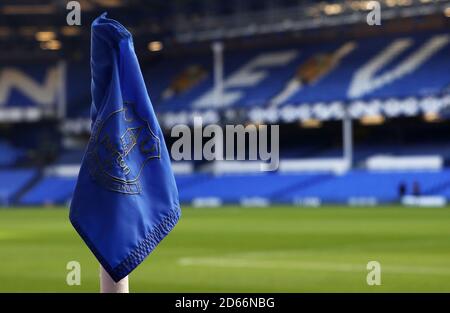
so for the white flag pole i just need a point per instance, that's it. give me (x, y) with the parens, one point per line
(108, 285)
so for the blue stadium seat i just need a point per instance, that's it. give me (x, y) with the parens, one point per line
(9, 154)
(50, 190)
(382, 186)
(70, 157)
(12, 181)
(258, 78)
(235, 188)
(292, 188)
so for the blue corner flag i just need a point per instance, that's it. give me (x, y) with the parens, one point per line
(126, 200)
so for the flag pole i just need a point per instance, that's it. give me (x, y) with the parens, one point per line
(108, 285)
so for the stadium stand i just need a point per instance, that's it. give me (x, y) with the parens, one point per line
(356, 186)
(58, 180)
(371, 187)
(384, 68)
(365, 151)
(404, 65)
(255, 186)
(50, 190)
(9, 154)
(70, 157)
(12, 181)
(385, 75)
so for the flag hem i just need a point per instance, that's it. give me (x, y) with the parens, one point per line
(138, 254)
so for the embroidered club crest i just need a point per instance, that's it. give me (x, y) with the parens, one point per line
(119, 149)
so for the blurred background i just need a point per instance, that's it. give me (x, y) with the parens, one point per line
(305, 65)
(363, 109)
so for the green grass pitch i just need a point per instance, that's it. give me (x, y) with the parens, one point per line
(232, 249)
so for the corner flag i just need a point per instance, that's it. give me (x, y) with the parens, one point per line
(126, 200)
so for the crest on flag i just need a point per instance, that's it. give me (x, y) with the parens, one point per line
(119, 149)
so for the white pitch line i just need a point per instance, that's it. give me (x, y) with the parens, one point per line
(301, 265)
